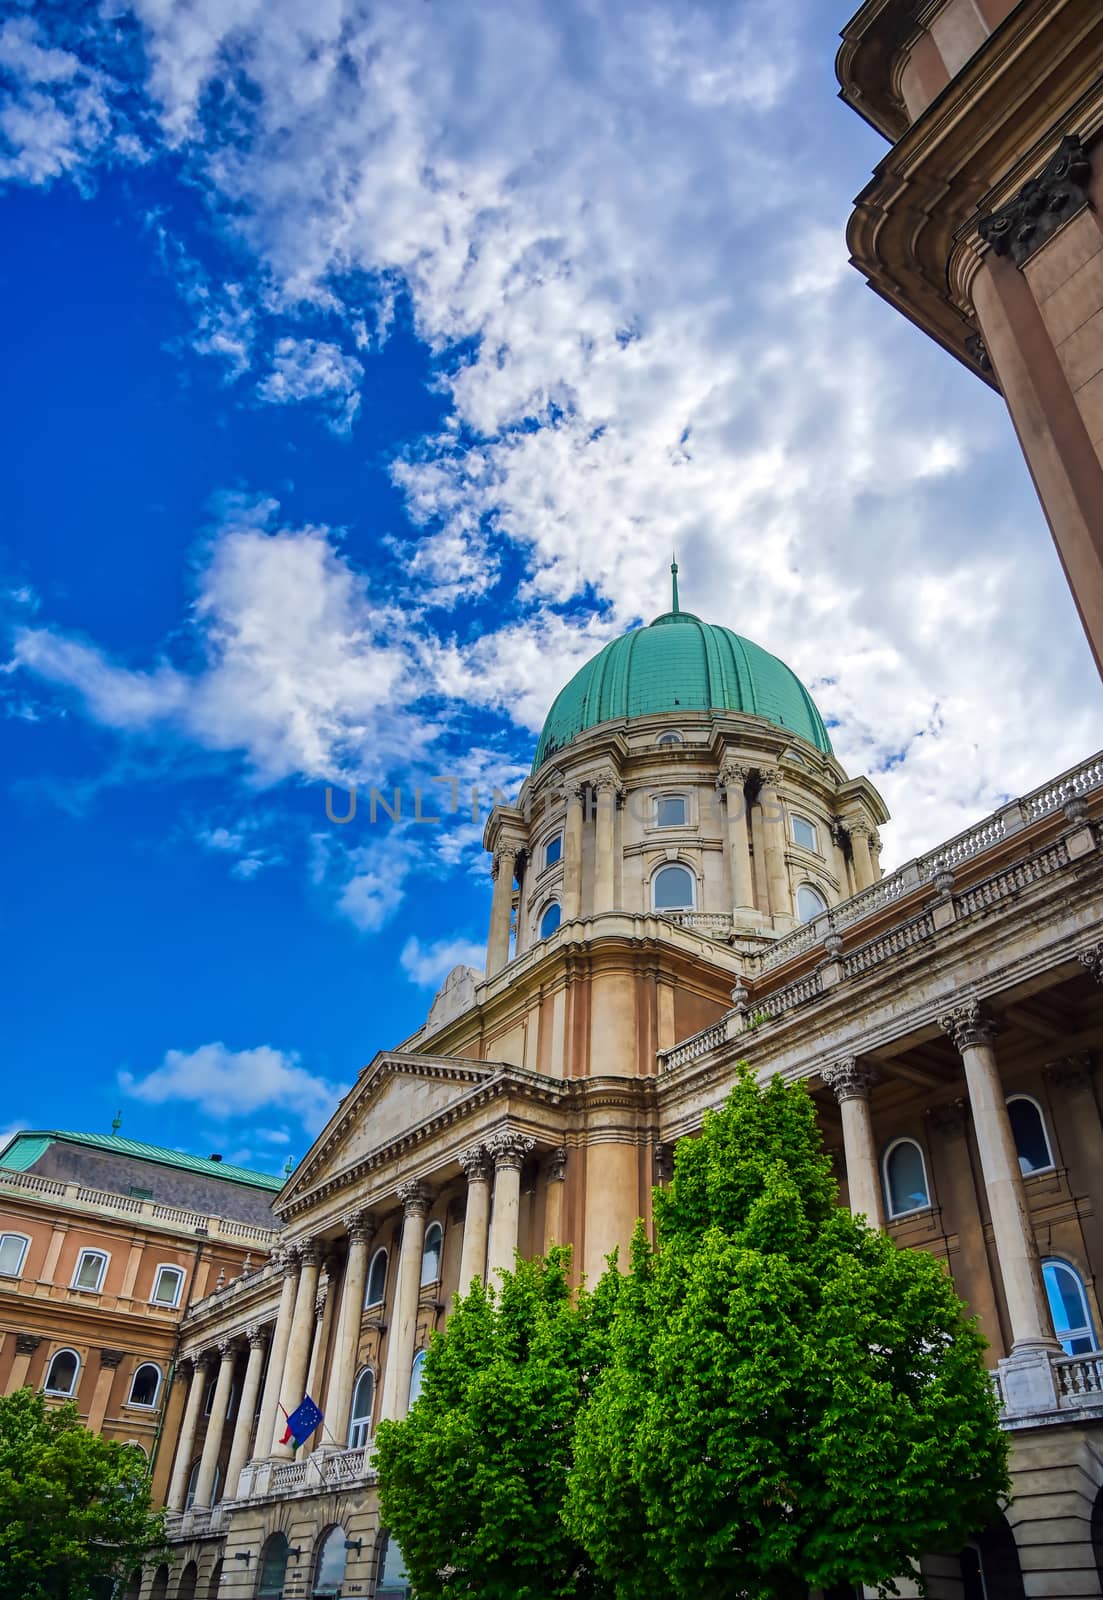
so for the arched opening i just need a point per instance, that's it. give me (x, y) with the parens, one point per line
(989, 1565)
(393, 1582)
(666, 741)
(215, 1581)
(550, 918)
(145, 1385)
(673, 889)
(416, 1373)
(430, 1254)
(363, 1401)
(62, 1373)
(189, 1578)
(1068, 1303)
(329, 1569)
(377, 1279)
(905, 1178)
(1097, 1532)
(1028, 1129)
(133, 1585)
(273, 1567)
(810, 903)
(159, 1588)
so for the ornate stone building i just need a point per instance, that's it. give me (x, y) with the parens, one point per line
(688, 878)
(982, 223)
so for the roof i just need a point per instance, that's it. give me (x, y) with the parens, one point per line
(679, 663)
(24, 1149)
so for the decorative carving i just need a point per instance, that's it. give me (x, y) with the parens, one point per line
(978, 352)
(509, 1148)
(1059, 191)
(607, 782)
(969, 1024)
(850, 1078)
(26, 1343)
(557, 1165)
(415, 1198)
(505, 857)
(360, 1227)
(860, 830)
(1076, 808)
(740, 995)
(950, 1119)
(256, 1336)
(733, 775)
(475, 1163)
(220, 1281)
(663, 1155)
(111, 1358)
(310, 1254)
(832, 943)
(1072, 1073)
(769, 777)
(227, 1348)
(320, 1301)
(943, 881)
(875, 843)
(1092, 958)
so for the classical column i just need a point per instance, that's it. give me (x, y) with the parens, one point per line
(299, 1343)
(773, 844)
(323, 1314)
(360, 1230)
(212, 1444)
(476, 1222)
(110, 1361)
(851, 1080)
(554, 1198)
(185, 1444)
(400, 1343)
(508, 1150)
(860, 836)
(25, 1346)
(972, 1031)
(572, 855)
(732, 779)
(288, 1262)
(246, 1410)
(607, 793)
(501, 906)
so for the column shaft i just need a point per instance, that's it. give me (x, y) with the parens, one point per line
(860, 853)
(572, 857)
(246, 1409)
(501, 905)
(299, 1342)
(476, 1220)
(266, 1422)
(555, 1200)
(346, 1340)
(185, 1444)
(852, 1081)
(508, 1150)
(733, 779)
(773, 844)
(604, 854)
(212, 1444)
(400, 1343)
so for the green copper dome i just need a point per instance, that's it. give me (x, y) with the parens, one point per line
(679, 663)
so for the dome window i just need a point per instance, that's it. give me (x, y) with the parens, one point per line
(670, 811)
(666, 740)
(804, 834)
(549, 922)
(673, 889)
(553, 850)
(810, 903)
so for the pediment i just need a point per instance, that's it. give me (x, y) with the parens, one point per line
(395, 1094)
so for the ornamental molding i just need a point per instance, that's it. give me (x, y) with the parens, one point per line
(950, 1119)
(663, 1157)
(111, 1358)
(256, 1336)
(27, 1343)
(1060, 190)
(1071, 1073)
(475, 1163)
(309, 1253)
(733, 774)
(557, 1165)
(850, 1078)
(1092, 958)
(415, 1198)
(769, 777)
(969, 1025)
(508, 1148)
(360, 1227)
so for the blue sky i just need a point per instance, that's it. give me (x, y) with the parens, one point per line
(364, 363)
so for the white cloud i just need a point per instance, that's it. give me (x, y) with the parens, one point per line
(313, 369)
(429, 964)
(55, 114)
(229, 1083)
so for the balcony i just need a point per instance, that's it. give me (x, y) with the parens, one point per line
(1037, 1389)
(322, 1471)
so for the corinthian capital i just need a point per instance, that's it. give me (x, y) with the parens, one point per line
(850, 1078)
(769, 777)
(475, 1163)
(1092, 958)
(360, 1227)
(606, 782)
(509, 1148)
(505, 859)
(968, 1024)
(415, 1198)
(733, 775)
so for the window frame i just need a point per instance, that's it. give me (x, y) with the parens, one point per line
(105, 1258)
(70, 1393)
(659, 798)
(886, 1182)
(417, 1368)
(145, 1405)
(549, 844)
(549, 907)
(361, 1423)
(670, 739)
(814, 847)
(370, 1305)
(424, 1282)
(1032, 1100)
(167, 1266)
(327, 1537)
(680, 866)
(812, 889)
(25, 1238)
(1087, 1328)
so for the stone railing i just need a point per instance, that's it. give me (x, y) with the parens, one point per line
(1079, 1379)
(890, 944)
(197, 1523)
(1020, 876)
(1036, 1384)
(714, 924)
(321, 1471)
(81, 1198)
(710, 1038)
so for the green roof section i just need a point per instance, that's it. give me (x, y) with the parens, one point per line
(24, 1149)
(679, 663)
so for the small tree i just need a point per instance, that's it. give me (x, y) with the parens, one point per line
(75, 1510)
(472, 1481)
(791, 1401)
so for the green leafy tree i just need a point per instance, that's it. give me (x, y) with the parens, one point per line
(790, 1400)
(472, 1481)
(75, 1509)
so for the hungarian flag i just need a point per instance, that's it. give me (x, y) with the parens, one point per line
(302, 1422)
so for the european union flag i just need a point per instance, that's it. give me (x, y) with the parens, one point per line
(302, 1422)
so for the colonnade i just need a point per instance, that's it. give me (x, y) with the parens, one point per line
(305, 1329)
(972, 1031)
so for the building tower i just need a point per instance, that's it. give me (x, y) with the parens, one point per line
(982, 224)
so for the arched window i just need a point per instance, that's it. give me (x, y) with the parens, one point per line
(553, 850)
(416, 1372)
(905, 1178)
(167, 1283)
(671, 811)
(64, 1369)
(810, 902)
(189, 1580)
(329, 1572)
(430, 1255)
(363, 1401)
(804, 834)
(145, 1385)
(393, 1582)
(377, 1279)
(673, 889)
(91, 1266)
(273, 1566)
(133, 1585)
(159, 1588)
(216, 1581)
(1068, 1302)
(671, 738)
(550, 919)
(193, 1479)
(13, 1253)
(1028, 1129)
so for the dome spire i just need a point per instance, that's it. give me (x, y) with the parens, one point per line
(674, 581)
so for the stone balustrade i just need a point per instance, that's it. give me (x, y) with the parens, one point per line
(80, 1198)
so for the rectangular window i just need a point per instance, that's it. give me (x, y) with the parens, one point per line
(90, 1270)
(804, 834)
(140, 1194)
(553, 850)
(670, 811)
(166, 1289)
(13, 1248)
